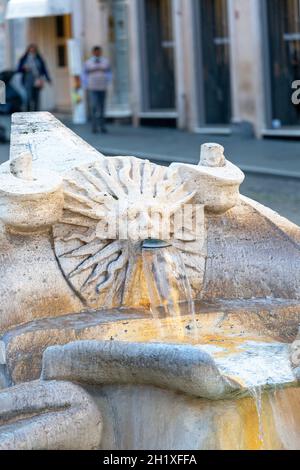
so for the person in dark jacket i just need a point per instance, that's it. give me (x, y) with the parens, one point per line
(34, 74)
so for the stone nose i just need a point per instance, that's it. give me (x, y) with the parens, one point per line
(30, 199)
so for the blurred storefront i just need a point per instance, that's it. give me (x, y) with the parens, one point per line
(204, 65)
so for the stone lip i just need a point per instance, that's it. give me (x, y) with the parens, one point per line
(295, 357)
(226, 175)
(178, 368)
(54, 146)
(27, 205)
(48, 415)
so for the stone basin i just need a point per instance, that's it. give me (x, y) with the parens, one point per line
(229, 384)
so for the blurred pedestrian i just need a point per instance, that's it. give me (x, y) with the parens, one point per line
(98, 76)
(34, 75)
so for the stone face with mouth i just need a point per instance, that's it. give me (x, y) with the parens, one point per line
(75, 302)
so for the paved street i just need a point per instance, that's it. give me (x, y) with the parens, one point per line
(281, 194)
(164, 144)
(257, 157)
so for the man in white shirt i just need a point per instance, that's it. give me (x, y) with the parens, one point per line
(98, 76)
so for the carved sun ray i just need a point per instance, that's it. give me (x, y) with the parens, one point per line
(106, 194)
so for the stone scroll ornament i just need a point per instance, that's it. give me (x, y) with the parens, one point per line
(110, 208)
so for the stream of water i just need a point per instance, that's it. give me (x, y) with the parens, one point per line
(169, 288)
(247, 360)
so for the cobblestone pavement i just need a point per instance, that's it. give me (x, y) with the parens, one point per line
(280, 193)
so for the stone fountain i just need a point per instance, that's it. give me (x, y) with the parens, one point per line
(84, 362)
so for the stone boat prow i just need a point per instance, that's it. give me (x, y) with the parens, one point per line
(75, 305)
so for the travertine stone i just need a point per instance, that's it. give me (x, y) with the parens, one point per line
(55, 262)
(215, 180)
(218, 321)
(34, 285)
(295, 356)
(291, 230)
(48, 416)
(29, 200)
(29, 205)
(53, 145)
(250, 256)
(183, 369)
(243, 252)
(212, 155)
(155, 419)
(24, 346)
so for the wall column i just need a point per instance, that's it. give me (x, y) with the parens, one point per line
(189, 65)
(78, 21)
(181, 96)
(135, 61)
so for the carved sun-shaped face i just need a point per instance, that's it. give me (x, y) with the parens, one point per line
(110, 208)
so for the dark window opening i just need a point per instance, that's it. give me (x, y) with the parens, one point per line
(216, 61)
(61, 56)
(60, 26)
(160, 88)
(284, 39)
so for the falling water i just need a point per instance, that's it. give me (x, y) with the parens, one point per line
(256, 393)
(168, 286)
(247, 360)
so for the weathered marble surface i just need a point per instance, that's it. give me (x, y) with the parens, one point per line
(48, 416)
(179, 368)
(295, 356)
(23, 346)
(30, 200)
(34, 286)
(110, 208)
(54, 146)
(153, 419)
(215, 180)
(248, 256)
(149, 398)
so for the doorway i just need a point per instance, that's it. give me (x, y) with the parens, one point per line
(62, 31)
(213, 56)
(51, 35)
(158, 55)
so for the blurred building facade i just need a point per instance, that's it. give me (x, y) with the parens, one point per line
(204, 65)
